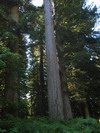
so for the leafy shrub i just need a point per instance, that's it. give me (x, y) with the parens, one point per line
(2, 130)
(45, 125)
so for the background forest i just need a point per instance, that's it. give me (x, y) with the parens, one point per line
(24, 67)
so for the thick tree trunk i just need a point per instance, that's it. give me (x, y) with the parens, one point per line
(10, 86)
(11, 92)
(54, 87)
(64, 86)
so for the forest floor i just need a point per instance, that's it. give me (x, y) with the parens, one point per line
(45, 125)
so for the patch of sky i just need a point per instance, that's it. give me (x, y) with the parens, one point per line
(37, 2)
(91, 4)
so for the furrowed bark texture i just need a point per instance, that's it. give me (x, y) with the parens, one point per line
(54, 87)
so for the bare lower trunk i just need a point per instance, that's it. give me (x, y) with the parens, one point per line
(64, 86)
(41, 96)
(54, 88)
(86, 110)
(10, 86)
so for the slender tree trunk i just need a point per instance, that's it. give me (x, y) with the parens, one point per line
(42, 84)
(54, 87)
(86, 110)
(64, 86)
(41, 107)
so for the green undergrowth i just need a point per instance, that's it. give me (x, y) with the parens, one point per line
(45, 125)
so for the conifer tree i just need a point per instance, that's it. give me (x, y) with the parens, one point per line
(54, 86)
